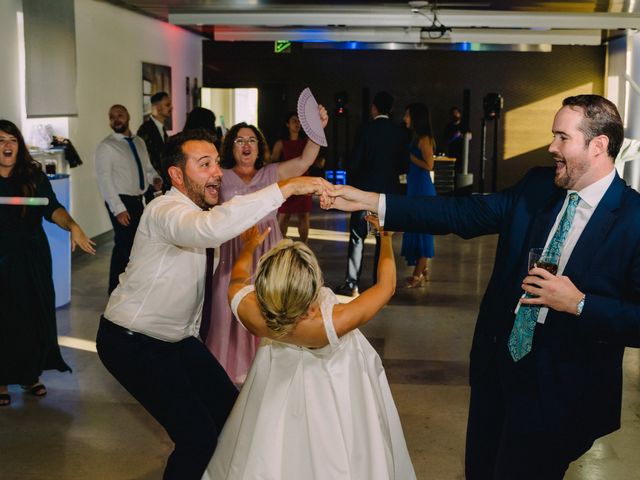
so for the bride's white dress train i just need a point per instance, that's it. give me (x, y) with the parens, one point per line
(314, 414)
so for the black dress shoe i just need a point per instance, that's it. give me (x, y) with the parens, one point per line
(346, 290)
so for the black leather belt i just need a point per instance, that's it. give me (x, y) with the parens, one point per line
(115, 328)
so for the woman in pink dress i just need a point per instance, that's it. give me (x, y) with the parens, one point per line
(242, 159)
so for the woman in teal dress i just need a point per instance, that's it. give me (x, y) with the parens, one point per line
(417, 248)
(28, 333)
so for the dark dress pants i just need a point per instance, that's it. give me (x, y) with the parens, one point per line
(497, 451)
(123, 237)
(180, 384)
(358, 231)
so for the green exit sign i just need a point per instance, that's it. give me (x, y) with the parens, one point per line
(282, 46)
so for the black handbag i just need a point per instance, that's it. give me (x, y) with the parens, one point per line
(70, 152)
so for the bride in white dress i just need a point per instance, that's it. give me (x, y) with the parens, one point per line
(316, 404)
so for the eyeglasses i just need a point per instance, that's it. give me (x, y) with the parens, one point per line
(241, 142)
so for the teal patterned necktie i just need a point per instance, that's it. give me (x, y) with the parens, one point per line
(521, 336)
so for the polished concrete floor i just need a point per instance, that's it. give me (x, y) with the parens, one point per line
(88, 427)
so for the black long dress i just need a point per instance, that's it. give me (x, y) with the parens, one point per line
(28, 332)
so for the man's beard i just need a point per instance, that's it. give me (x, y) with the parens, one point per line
(564, 180)
(195, 192)
(571, 175)
(120, 129)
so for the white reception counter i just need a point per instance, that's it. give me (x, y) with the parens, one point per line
(60, 243)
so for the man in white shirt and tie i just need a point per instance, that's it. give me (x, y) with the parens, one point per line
(546, 380)
(148, 336)
(124, 173)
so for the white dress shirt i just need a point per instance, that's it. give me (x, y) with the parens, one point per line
(159, 125)
(589, 199)
(117, 171)
(162, 290)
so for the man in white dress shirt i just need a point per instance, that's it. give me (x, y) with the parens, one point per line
(148, 336)
(124, 173)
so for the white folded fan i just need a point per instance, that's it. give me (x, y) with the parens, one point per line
(309, 117)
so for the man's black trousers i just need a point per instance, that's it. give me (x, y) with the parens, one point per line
(180, 384)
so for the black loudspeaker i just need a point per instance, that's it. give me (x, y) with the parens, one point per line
(342, 100)
(466, 110)
(492, 105)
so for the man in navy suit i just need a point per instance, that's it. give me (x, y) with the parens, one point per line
(379, 157)
(153, 131)
(533, 412)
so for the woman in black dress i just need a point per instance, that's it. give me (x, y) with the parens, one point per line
(28, 333)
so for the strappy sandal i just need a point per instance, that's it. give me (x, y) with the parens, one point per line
(416, 281)
(5, 399)
(37, 390)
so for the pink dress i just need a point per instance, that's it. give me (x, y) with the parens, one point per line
(228, 340)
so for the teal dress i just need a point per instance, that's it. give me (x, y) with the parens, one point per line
(28, 332)
(419, 184)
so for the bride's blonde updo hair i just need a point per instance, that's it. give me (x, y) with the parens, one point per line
(288, 281)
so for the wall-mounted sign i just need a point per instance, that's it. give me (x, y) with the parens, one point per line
(282, 46)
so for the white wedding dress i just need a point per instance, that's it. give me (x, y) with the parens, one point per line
(313, 414)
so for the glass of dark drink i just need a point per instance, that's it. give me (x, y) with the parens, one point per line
(538, 258)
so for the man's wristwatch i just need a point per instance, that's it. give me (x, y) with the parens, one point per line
(580, 306)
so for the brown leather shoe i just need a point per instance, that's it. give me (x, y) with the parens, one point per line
(346, 290)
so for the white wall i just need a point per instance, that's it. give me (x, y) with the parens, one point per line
(615, 85)
(111, 45)
(632, 169)
(10, 98)
(622, 60)
(632, 126)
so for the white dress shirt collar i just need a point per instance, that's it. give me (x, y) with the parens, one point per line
(120, 136)
(174, 192)
(593, 193)
(159, 126)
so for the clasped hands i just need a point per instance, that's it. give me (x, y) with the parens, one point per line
(340, 197)
(554, 291)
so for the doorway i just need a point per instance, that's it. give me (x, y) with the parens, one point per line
(231, 105)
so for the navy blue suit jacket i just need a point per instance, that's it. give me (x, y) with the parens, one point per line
(154, 142)
(572, 379)
(380, 155)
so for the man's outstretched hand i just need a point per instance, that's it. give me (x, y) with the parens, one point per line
(349, 199)
(304, 186)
